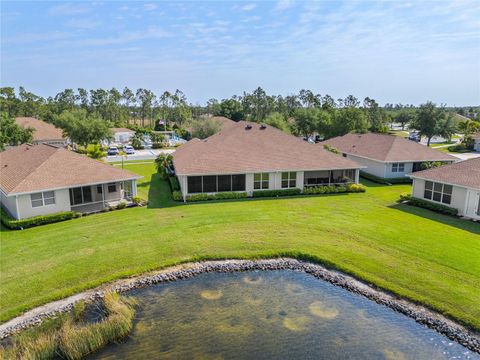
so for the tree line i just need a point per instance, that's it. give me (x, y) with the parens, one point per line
(88, 114)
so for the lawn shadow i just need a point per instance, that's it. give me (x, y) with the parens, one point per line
(458, 223)
(159, 193)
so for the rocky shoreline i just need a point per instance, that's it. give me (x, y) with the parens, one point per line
(420, 314)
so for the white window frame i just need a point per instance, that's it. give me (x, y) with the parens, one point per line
(292, 176)
(43, 198)
(398, 167)
(441, 192)
(264, 178)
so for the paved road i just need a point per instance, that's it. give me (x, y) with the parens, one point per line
(145, 154)
(466, 156)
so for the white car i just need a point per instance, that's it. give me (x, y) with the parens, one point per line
(129, 150)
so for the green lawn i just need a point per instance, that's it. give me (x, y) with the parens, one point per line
(429, 258)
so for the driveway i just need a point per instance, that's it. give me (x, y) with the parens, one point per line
(466, 156)
(145, 154)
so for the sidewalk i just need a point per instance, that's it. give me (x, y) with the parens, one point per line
(145, 154)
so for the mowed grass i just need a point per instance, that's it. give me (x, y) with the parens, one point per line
(425, 257)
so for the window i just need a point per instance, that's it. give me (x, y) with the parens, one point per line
(194, 184)
(112, 188)
(478, 209)
(438, 192)
(398, 167)
(289, 179)
(43, 198)
(99, 189)
(260, 181)
(87, 194)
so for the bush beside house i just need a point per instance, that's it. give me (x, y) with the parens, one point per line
(14, 224)
(439, 208)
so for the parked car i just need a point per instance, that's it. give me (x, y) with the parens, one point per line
(414, 136)
(112, 150)
(129, 150)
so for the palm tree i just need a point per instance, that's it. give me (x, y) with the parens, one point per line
(164, 162)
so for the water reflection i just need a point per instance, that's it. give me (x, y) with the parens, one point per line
(272, 315)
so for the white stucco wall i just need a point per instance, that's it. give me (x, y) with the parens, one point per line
(62, 203)
(9, 204)
(460, 201)
(373, 167)
(476, 146)
(408, 168)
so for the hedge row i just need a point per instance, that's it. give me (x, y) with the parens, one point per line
(399, 180)
(173, 182)
(332, 189)
(275, 193)
(177, 196)
(13, 224)
(442, 209)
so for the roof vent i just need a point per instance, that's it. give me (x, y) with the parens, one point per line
(263, 127)
(248, 127)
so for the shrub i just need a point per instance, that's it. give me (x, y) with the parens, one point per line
(356, 188)
(173, 182)
(121, 205)
(332, 189)
(136, 200)
(399, 180)
(442, 209)
(276, 193)
(177, 196)
(13, 224)
(460, 148)
(331, 149)
(404, 197)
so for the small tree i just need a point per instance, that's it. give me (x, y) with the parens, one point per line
(95, 151)
(163, 163)
(204, 128)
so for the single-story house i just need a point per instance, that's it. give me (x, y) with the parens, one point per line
(44, 179)
(456, 185)
(122, 135)
(246, 157)
(44, 133)
(386, 156)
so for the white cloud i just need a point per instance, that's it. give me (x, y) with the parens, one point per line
(248, 7)
(69, 9)
(284, 5)
(150, 6)
(82, 23)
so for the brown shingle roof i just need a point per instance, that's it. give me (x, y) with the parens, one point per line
(237, 150)
(387, 148)
(30, 168)
(464, 173)
(43, 130)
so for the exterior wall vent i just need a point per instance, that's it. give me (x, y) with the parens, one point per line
(263, 127)
(248, 127)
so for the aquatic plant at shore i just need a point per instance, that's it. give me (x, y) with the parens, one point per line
(70, 337)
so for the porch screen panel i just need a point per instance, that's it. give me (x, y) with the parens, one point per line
(225, 183)
(76, 195)
(87, 194)
(194, 184)
(210, 184)
(238, 182)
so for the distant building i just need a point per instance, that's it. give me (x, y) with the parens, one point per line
(122, 135)
(44, 133)
(386, 156)
(476, 142)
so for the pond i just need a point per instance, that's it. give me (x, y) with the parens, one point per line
(272, 315)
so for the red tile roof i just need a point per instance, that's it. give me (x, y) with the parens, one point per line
(464, 173)
(387, 148)
(238, 150)
(43, 130)
(30, 168)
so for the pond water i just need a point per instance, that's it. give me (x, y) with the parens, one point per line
(272, 315)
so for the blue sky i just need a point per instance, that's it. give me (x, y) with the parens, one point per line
(393, 51)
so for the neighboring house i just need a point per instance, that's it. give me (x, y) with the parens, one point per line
(44, 179)
(122, 135)
(44, 133)
(386, 156)
(246, 157)
(456, 185)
